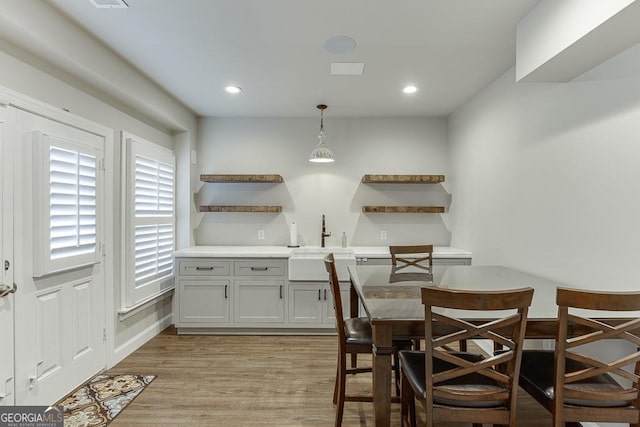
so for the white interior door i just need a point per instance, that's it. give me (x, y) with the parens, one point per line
(60, 302)
(7, 395)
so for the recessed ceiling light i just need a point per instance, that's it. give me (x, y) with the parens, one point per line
(410, 89)
(233, 89)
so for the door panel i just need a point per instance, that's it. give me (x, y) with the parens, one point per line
(82, 319)
(49, 351)
(58, 311)
(6, 266)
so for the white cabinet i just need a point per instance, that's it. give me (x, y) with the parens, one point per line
(219, 293)
(259, 295)
(258, 301)
(305, 303)
(230, 293)
(312, 303)
(203, 301)
(203, 292)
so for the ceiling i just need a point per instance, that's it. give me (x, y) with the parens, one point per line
(274, 50)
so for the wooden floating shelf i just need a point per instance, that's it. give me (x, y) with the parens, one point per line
(253, 209)
(403, 209)
(241, 178)
(402, 179)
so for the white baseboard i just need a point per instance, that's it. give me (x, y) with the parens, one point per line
(140, 339)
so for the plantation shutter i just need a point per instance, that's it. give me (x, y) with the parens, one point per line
(72, 203)
(151, 221)
(154, 195)
(67, 176)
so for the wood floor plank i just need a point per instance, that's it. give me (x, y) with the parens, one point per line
(266, 381)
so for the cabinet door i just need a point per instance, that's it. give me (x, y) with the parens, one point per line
(306, 303)
(259, 301)
(329, 315)
(203, 301)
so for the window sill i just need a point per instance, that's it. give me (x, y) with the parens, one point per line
(127, 312)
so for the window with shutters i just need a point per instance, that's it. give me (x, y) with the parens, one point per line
(150, 219)
(66, 189)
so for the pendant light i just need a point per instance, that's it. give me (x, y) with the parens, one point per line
(321, 154)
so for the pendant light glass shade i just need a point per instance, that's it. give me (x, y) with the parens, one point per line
(321, 154)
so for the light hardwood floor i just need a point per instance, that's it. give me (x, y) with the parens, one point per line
(266, 381)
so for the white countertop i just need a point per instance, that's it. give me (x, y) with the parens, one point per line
(383, 252)
(235, 251)
(285, 252)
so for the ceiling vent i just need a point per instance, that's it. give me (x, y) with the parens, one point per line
(347, 68)
(109, 4)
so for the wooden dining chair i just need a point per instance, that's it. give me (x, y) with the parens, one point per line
(354, 337)
(575, 386)
(423, 255)
(463, 386)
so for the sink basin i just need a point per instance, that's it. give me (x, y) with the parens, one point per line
(307, 263)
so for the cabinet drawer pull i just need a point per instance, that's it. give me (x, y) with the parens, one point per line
(259, 268)
(225, 291)
(280, 291)
(325, 294)
(319, 295)
(204, 268)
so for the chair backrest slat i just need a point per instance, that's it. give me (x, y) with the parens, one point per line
(423, 254)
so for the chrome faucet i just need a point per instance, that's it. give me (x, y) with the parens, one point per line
(324, 232)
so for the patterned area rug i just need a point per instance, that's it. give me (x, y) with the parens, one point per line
(101, 399)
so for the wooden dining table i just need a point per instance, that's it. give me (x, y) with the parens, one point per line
(391, 299)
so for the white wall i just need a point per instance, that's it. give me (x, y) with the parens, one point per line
(23, 71)
(360, 145)
(545, 178)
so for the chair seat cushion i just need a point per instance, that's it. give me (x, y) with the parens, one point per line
(358, 331)
(413, 366)
(536, 377)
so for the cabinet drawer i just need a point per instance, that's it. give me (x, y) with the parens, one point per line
(204, 268)
(260, 268)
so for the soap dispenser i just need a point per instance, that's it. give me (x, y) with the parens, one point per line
(344, 239)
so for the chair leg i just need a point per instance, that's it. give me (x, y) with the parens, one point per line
(407, 404)
(396, 371)
(337, 382)
(342, 378)
(412, 409)
(354, 360)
